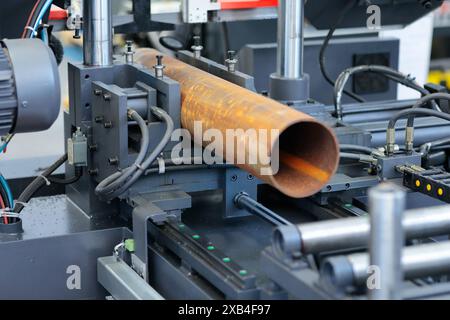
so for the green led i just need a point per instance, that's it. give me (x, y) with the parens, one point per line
(129, 245)
(210, 248)
(196, 236)
(348, 205)
(243, 272)
(226, 259)
(181, 225)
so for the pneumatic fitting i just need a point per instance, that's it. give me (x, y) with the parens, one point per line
(409, 140)
(390, 141)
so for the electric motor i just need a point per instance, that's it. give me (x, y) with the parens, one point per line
(30, 94)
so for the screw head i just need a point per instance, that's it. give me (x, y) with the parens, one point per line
(113, 161)
(93, 172)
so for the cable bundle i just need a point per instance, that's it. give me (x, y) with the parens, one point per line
(40, 8)
(117, 183)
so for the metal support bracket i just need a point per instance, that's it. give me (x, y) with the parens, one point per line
(219, 70)
(122, 282)
(156, 208)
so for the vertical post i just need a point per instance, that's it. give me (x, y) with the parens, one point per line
(97, 32)
(386, 207)
(290, 38)
(289, 83)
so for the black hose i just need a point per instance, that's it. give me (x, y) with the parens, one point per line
(351, 156)
(419, 112)
(419, 103)
(388, 72)
(324, 46)
(37, 183)
(162, 115)
(356, 148)
(117, 179)
(119, 182)
(67, 181)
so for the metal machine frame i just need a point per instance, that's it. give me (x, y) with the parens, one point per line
(199, 232)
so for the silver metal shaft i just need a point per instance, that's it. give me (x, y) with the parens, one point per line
(97, 32)
(339, 234)
(290, 38)
(386, 207)
(417, 261)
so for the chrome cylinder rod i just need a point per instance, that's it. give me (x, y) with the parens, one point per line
(290, 38)
(417, 261)
(340, 234)
(97, 32)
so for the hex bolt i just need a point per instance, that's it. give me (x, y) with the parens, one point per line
(107, 96)
(129, 53)
(77, 23)
(107, 124)
(76, 34)
(113, 161)
(231, 61)
(97, 92)
(93, 172)
(197, 47)
(98, 119)
(159, 67)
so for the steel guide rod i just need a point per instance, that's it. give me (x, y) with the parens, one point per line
(417, 261)
(347, 233)
(97, 33)
(290, 38)
(386, 241)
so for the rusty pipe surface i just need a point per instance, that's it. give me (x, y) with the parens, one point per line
(306, 151)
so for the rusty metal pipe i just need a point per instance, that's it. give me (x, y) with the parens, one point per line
(308, 150)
